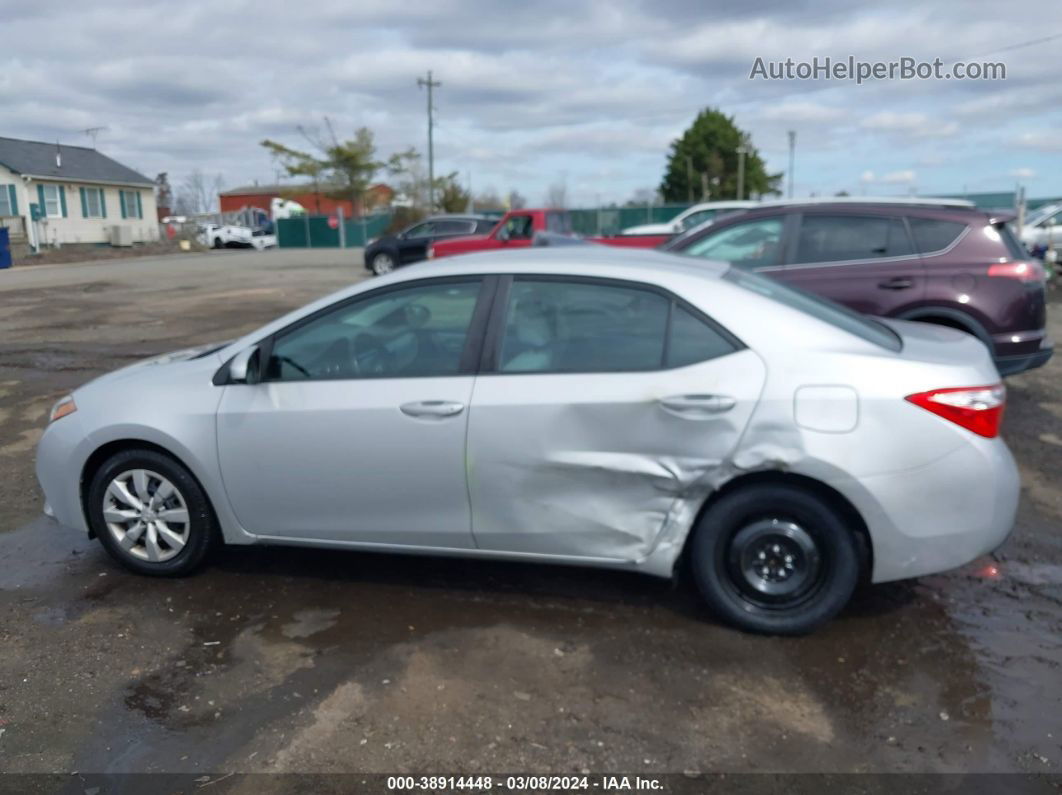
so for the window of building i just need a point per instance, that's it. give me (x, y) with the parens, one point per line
(130, 204)
(8, 202)
(53, 204)
(92, 203)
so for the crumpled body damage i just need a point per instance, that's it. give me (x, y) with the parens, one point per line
(598, 467)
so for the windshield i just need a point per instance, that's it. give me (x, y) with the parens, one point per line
(862, 326)
(1036, 216)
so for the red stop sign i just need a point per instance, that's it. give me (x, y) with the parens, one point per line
(333, 222)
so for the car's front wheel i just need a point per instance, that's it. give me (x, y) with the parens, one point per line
(382, 262)
(775, 559)
(150, 514)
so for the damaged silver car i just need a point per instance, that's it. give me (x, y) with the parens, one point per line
(599, 407)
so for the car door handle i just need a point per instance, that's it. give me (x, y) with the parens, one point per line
(898, 283)
(698, 405)
(432, 408)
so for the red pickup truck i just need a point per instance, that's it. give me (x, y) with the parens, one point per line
(517, 229)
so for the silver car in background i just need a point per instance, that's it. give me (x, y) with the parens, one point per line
(579, 405)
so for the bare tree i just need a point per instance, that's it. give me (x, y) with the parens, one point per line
(516, 200)
(198, 193)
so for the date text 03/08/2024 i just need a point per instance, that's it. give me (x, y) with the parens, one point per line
(536, 783)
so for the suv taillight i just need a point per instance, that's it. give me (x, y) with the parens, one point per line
(975, 408)
(1022, 271)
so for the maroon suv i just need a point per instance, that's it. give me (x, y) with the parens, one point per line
(940, 263)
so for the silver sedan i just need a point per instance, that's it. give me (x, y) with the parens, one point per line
(598, 407)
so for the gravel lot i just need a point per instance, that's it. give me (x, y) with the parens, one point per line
(304, 661)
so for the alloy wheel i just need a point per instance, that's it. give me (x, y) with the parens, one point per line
(382, 263)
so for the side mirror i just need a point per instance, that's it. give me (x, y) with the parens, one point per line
(244, 367)
(503, 235)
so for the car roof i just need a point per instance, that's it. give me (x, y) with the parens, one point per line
(906, 201)
(588, 260)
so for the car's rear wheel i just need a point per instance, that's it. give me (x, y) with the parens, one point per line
(775, 559)
(150, 514)
(382, 263)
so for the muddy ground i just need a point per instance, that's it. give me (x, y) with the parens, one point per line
(308, 661)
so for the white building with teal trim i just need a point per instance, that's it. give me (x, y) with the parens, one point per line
(82, 196)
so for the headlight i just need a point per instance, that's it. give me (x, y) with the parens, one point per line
(371, 241)
(63, 407)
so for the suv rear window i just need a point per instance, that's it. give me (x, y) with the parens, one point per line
(931, 234)
(866, 328)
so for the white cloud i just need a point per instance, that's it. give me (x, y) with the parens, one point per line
(916, 124)
(1023, 173)
(1043, 140)
(795, 112)
(905, 177)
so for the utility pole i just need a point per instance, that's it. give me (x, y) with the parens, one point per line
(741, 150)
(792, 158)
(430, 84)
(689, 178)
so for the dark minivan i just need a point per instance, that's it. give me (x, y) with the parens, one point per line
(938, 262)
(386, 253)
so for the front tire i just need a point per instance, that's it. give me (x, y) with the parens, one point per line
(218, 243)
(774, 559)
(150, 514)
(382, 263)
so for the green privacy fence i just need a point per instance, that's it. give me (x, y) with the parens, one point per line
(313, 231)
(609, 220)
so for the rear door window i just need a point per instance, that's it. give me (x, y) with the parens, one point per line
(932, 234)
(692, 340)
(454, 227)
(841, 238)
(576, 326)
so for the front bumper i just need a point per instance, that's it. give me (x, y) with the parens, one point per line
(59, 465)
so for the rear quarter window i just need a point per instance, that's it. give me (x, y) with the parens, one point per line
(931, 234)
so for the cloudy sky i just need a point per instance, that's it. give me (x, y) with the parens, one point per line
(588, 93)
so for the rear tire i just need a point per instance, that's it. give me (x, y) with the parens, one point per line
(774, 559)
(150, 514)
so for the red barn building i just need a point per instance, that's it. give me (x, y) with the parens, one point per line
(316, 203)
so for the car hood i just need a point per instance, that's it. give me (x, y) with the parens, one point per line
(649, 229)
(145, 366)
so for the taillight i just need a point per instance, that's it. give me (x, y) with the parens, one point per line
(975, 408)
(431, 252)
(1022, 271)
